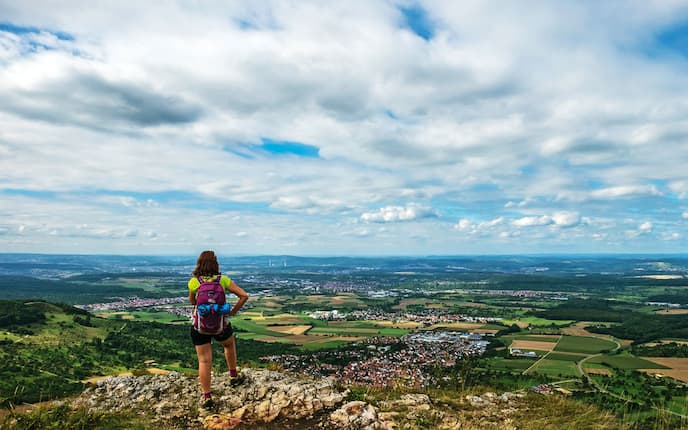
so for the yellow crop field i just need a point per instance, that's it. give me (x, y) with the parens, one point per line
(528, 345)
(289, 329)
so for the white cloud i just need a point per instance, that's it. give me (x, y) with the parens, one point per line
(522, 203)
(532, 221)
(680, 188)
(566, 219)
(467, 225)
(464, 225)
(684, 215)
(625, 191)
(645, 227)
(560, 219)
(399, 213)
(671, 236)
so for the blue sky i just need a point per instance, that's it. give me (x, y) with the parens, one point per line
(356, 128)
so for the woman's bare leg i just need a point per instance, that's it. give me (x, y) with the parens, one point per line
(205, 363)
(230, 353)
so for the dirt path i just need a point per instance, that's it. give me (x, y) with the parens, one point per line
(543, 357)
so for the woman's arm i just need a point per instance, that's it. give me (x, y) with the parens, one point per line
(243, 297)
(192, 297)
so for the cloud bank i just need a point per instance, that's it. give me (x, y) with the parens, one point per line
(330, 128)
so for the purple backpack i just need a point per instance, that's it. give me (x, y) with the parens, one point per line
(209, 298)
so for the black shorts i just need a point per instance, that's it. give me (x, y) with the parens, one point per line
(201, 339)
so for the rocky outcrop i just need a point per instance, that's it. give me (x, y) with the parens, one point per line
(264, 397)
(269, 399)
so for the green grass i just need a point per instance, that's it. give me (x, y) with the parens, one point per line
(678, 405)
(314, 346)
(252, 327)
(511, 337)
(556, 368)
(245, 335)
(536, 321)
(161, 316)
(584, 344)
(510, 363)
(565, 357)
(64, 417)
(537, 338)
(624, 361)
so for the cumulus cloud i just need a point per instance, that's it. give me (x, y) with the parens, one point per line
(399, 213)
(532, 221)
(566, 219)
(466, 225)
(645, 227)
(680, 188)
(671, 235)
(559, 219)
(625, 191)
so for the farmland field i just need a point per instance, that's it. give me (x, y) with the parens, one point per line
(626, 362)
(677, 367)
(529, 345)
(598, 371)
(510, 364)
(555, 368)
(584, 344)
(290, 329)
(457, 326)
(536, 321)
(565, 357)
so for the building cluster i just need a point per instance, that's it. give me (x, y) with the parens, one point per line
(387, 361)
(132, 303)
(310, 286)
(425, 318)
(332, 315)
(526, 354)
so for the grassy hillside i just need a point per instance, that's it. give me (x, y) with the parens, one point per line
(48, 349)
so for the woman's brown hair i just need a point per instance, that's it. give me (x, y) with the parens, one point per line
(207, 265)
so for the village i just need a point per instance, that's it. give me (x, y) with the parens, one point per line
(386, 361)
(424, 318)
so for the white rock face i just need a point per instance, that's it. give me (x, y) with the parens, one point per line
(274, 400)
(264, 397)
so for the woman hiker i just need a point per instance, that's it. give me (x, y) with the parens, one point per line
(210, 319)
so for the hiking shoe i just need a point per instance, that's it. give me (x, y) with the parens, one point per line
(206, 401)
(236, 380)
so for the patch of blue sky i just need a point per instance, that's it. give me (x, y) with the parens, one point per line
(529, 170)
(485, 188)
(451, 210)
(674, 38)
(416, 20)
(595, 184)
(29, 193)
(277, 147)
(182, 199)
(245, 24)
(22, 30)
(274, 148)
(390, 114)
